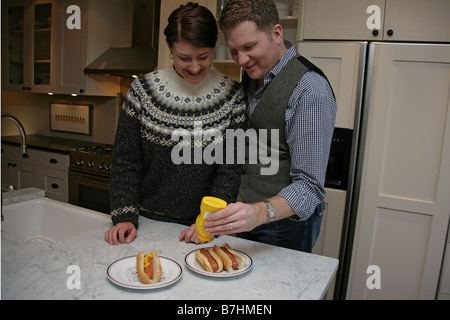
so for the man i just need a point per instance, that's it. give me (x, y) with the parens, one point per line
(288, 94)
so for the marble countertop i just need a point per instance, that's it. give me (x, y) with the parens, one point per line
(22, 195)
(40, 271)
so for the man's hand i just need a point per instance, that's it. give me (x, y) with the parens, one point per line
(237, 217)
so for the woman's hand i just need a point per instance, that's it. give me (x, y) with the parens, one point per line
(121, 232)
(190, 235)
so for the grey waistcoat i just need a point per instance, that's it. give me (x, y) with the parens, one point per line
(261, 180)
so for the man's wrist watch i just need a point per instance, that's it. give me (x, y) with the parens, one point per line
(270, 212)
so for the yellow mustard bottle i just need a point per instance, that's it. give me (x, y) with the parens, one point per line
(208, 206)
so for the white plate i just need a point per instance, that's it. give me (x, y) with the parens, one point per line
(194, 265)
(123, 272)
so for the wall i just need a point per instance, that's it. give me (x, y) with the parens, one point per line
(33, 110)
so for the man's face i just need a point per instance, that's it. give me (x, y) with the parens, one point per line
(256, 51)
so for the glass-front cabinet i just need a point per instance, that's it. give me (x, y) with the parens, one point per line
(27, 31)
(42, 43)
(15, 54)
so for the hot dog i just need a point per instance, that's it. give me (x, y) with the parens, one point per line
(148, 267)
(229, 259)
(209, 260)
(241, 260)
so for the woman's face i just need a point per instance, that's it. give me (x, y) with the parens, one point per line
(190, 62)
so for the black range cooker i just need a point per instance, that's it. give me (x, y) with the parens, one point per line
(89, 173)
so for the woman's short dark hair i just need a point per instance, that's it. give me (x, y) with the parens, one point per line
(193, 23)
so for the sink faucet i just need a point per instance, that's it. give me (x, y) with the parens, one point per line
(22, 132)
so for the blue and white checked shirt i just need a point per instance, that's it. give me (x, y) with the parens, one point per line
(310, 119)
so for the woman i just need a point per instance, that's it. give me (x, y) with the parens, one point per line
(145, 179)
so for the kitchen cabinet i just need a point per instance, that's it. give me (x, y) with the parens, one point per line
(403, 203)
(104, 24)
(400, 20)
(41, 169)
(28, 40)
(329, 242)
(343, 65)
(42, 55)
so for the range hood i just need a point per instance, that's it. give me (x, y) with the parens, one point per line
(142, 57)
(125, 61)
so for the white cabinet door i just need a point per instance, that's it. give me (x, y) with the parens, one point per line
(55, 183)
(104, 24)
(417, 20)
(404, 202)
(10, 175)
(339, 20)
(29, 176)
(41, 169)
(343, 65)
(400, 20)
(329, 242)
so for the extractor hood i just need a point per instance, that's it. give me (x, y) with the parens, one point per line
(142, 57)
(125, 61)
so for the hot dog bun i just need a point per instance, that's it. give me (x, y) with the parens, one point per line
(225, 257)
(232, 262)
(205, 262)
(239, 257)
(157, 270)
(227, 263)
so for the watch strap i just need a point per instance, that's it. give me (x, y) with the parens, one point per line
(270, 211)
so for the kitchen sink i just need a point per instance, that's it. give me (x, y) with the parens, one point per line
(45, 220)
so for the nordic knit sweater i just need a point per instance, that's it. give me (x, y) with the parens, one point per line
(144, 178)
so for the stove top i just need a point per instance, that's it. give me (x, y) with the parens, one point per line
(94, 159)
(99, 149)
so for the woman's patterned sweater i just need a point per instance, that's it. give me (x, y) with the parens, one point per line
(144, 178)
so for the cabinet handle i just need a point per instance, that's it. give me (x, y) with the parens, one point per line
(390, 32)
(55, 186)
(375, 32)
(53, 161)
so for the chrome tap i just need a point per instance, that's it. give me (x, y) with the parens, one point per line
(22, 132)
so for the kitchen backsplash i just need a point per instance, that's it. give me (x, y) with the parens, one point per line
(33, 110)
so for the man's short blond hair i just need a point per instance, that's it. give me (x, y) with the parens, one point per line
(263, 12)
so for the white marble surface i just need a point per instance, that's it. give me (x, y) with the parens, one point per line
(22, 195)
(39, 271)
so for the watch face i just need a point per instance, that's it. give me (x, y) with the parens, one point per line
(271, 215)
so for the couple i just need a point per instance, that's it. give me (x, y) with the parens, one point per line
(280, 91)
